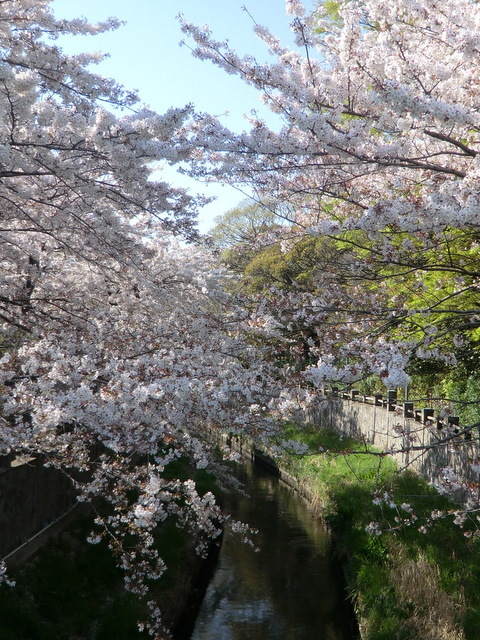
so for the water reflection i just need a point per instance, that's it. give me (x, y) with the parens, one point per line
(290, 589)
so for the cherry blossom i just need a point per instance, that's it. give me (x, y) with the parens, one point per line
(121, 349)
(378, 151)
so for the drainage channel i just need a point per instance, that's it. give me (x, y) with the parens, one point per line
(291, 589)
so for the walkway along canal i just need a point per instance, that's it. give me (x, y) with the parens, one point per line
(291, 589)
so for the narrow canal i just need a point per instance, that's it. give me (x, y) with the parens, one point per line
(289, 590)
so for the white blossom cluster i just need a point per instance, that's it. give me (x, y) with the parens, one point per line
(380, 139)
(121, 349)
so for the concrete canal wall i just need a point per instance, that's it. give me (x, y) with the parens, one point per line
(33, 499)
(416, 438)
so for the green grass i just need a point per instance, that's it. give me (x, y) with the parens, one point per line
(407, 585)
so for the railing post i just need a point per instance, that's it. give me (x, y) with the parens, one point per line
(454, 422)
(408, 409)
(426, 415)
(377, 399)
(392, 399)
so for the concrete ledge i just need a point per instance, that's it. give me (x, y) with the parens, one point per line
(26, 550)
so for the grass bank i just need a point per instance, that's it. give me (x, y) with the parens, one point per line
(72, 590)
(406, 584)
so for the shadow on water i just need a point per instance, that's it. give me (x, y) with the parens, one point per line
(291, 589)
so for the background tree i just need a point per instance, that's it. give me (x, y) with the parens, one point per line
(244, 230)
(243, 224)
(273, 260)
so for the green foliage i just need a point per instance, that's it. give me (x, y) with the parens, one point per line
(318, 439)
(119, 620)
(466, 391)
(70, 590)
(370, 385)
(286, 267)
(238, 231)
(205, 482)
(332, 13)
(437, 384)
(242, 224)
(332, 8)
(434, 292)
(182, 469)
(438, 291)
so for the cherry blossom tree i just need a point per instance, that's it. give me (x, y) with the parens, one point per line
(121, 350)
(378, 150)
(121, 347)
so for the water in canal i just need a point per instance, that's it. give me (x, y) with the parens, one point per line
(290, 589)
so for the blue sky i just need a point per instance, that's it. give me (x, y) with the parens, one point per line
(145, 55)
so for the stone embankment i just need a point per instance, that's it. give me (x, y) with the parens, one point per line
(415, 437)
